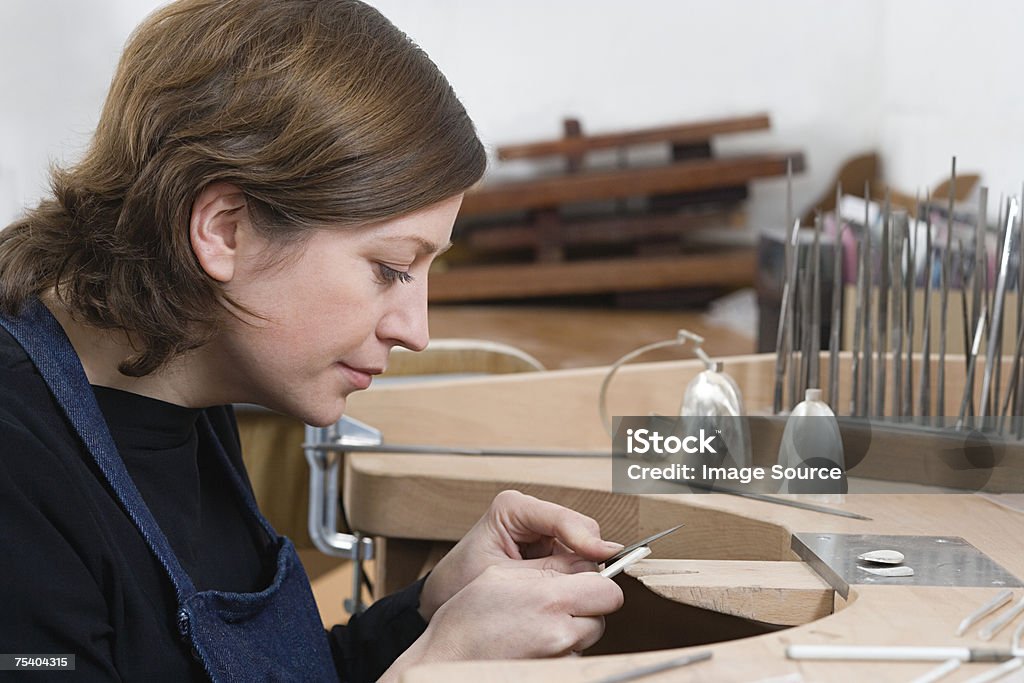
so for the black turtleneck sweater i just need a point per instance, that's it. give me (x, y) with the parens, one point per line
(77, 578)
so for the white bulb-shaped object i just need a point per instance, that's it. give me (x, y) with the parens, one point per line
(811, 439)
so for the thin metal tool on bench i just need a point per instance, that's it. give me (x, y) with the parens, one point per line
(977, 615)
(641, 671)
(614, 563)
(354, 436)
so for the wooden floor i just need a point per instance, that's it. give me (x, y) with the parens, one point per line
(565, 337)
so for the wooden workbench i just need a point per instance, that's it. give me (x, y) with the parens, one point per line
(738, 585)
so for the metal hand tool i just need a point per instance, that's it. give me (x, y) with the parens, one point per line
(883, 317)
(972, 364)
(924, 379)
(835, 324)
(910, 275)
(641, 544)
(814, 343)
(642, 671)
(896, 268)
(866, 361)
(977, 615)
(999, 303)
(784, 335)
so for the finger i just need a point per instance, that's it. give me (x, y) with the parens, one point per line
(589, 595)
(544, 547)
(529, 519)
(588, 631)
(563, 564)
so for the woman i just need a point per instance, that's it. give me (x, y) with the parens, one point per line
(253, 222)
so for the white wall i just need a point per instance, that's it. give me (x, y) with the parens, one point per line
(918, 80)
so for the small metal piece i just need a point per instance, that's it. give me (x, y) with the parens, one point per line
(641, 671)
(999, 624)
(977, 615)
(888, 571)
(615, 567)
(641, 543)
(882, 556)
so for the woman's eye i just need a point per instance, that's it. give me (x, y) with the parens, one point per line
(389, 275)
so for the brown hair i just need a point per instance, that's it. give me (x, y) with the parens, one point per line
(321, 111)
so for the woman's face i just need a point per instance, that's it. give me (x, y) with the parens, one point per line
(332, 312)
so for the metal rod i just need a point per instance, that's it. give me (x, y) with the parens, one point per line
(858, 318)
(977, 615)
(835, 325)
(642, 671)
(964, 266)
(944, 274)
(911, 290)
(866, 362)
(1011, 391)
(1018, 390)
(972, 363)
(814, 359)
(805, 328)
(784, 337)
(998, 374)
(999, 303)
(884, 272)
(895, 266)
(980, 263)
(794, 396)
(924, 387)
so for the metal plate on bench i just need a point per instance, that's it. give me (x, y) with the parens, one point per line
(936, 560)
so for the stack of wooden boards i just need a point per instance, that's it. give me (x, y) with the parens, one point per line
(609, 230)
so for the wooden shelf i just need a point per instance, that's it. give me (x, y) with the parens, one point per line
(683, 176)
(733, 268)
(614, 229)
(685, 134)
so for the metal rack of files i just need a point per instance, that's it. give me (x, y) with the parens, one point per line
(923, 285)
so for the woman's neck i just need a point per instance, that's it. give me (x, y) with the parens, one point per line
(102, 352)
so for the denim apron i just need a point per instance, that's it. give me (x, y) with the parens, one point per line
(272, 635)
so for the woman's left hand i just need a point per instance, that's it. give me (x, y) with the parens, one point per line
(519, 531)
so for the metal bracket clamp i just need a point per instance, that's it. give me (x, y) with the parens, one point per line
(324, 496)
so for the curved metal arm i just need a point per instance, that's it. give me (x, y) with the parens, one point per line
(324, 499)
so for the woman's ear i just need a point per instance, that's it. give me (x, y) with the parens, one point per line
(219, 215)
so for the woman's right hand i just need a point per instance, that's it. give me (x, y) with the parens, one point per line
(514, 613)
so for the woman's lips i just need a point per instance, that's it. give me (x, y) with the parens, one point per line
(360, 378)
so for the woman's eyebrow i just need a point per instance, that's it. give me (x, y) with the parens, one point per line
(423, 246)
